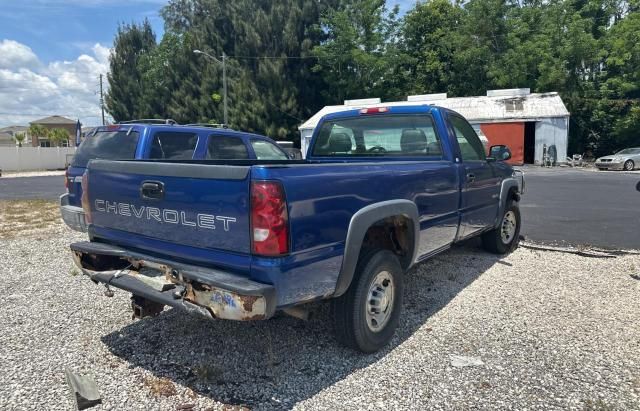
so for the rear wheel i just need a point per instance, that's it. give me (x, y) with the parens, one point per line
(367, 315)
(629, 165)
(504, 238)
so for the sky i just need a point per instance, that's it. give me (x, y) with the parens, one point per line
(53, 51)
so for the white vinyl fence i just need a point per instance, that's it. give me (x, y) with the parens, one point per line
(34, 158)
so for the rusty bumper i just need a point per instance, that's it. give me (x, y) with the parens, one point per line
(214, 293)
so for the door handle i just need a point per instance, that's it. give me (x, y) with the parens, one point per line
(152, 190)
(471, 177)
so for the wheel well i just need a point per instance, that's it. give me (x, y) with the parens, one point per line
(513, 194)
(393, 233)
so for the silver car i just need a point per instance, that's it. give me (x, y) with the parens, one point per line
(626, 159)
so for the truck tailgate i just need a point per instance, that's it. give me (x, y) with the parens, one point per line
(198, 205)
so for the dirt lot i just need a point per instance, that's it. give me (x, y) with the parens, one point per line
(552, 330)
(28, 217)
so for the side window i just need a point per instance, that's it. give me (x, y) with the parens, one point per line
(267, 151)
(470, 145)
(226, 148)
(171, 145)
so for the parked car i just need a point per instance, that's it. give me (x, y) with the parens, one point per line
(382, 189)
(150, 141)
(626, 159)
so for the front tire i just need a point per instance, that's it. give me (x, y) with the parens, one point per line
(506, 236)
(367, 315)
(629, 165)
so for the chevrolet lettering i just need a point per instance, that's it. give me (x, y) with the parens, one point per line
(168, 216)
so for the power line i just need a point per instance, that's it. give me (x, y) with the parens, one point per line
(47, 114)
(282, 111)
(275, 57)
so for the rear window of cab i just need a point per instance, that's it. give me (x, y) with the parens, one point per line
(381, 135)
(107, 145)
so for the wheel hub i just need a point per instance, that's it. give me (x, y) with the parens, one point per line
(380, 301)
(508, 227)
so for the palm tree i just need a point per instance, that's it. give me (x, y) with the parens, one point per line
(57, 136)
(38, 131)
(19, 138)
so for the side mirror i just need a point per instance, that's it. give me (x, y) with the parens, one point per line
(499, 153)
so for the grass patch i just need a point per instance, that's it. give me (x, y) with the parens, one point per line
(26, 217)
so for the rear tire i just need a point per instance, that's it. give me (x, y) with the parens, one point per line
(504, 238)
(366, 316)
(629, 165)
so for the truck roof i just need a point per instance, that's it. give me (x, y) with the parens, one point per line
(405, 107)
(196, 128)
(389, 109)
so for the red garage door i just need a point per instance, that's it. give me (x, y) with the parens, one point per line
(509, 134)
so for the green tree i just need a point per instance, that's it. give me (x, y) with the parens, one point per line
(623, 58)
(38, 131)
(270, 44)
(57, 136)
(360, 57)
(19, 138)
(158, 76)
(124, 99)
(431, 37)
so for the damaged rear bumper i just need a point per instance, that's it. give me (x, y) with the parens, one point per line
(211, 292)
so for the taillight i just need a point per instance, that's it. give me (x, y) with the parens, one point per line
(269, 219)
(86, 206)
(66, 179)
(374, 110)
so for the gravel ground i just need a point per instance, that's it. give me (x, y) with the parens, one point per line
(553, 331)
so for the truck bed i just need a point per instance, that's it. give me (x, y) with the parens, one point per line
(322, 197)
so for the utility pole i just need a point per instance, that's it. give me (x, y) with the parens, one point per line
(224, 85)
(101, 99)
(224, 78)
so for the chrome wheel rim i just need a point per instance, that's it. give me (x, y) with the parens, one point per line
(508, 227)
(380, 301)
(628, 166)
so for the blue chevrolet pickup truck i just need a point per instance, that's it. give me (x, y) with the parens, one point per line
(382, 188)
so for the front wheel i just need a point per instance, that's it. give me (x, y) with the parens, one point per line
(367, 315)
(506, 236)
(629, 165)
